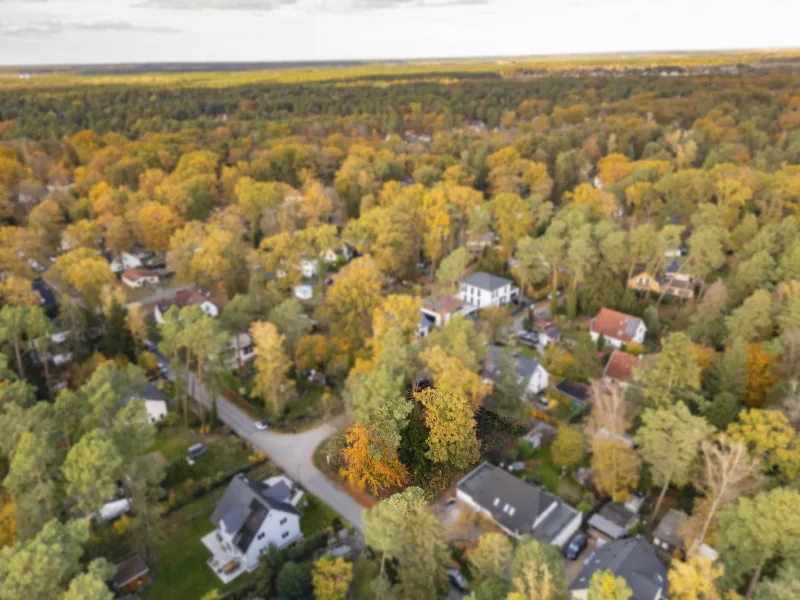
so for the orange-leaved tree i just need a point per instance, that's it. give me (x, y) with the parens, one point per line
(368, 463)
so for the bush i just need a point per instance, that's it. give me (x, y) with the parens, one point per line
(304, 549)
(524, 448)
(294, 581)
(512, 455)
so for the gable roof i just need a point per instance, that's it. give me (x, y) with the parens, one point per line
(621, 364)
(245, 505)
(668, 529)
(634, 560)
(617, 325)
(613, 520)
(137, 274)
(518, 507)
(183, 299)
(486, 281)
(525, 366)
(151, 392)
(129, 569)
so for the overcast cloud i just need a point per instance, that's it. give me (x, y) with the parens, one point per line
(109, 31)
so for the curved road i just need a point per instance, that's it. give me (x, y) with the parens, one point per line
(293, 453)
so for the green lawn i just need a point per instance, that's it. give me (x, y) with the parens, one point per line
(315, 515)
(181, 569)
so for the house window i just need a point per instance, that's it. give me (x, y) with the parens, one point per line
(284, 535)
(260, 536)
(283, 521)
(496, 502)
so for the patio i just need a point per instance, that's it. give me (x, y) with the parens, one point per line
(227, 565)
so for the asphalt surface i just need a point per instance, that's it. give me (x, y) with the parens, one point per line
(293, 453)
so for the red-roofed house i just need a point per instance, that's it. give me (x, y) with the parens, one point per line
(620, 366)
(136, 278)
(618, 328)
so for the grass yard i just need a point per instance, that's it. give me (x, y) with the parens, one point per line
(315, 515)
(181, 569)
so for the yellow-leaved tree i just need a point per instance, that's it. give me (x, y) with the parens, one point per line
(272, 366)
(370, 464)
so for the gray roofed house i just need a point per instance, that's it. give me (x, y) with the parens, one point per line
(667, 535)
(484, 289)
(517, 507)
(532, 375)
(615, 520)
(250, 516)
(634, 560)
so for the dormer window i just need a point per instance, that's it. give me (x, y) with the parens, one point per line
(496, 502)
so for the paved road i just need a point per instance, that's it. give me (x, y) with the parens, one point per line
(293, 453)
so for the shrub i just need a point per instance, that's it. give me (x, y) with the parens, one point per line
(524, 448)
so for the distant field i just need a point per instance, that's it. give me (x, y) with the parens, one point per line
(228, 75)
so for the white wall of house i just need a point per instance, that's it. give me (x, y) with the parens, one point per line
(125, 261)
(140, 282)
(156, 410)
(539, 380)
(279, 529)
(309, 268)
(641, 332)
(437, 318)
(569, 530)
(481, 298)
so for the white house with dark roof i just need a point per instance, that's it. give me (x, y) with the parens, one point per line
(518, 508)
(634, 560)
(251, 516)
(530, 373)
(437, 311)
(484, 289)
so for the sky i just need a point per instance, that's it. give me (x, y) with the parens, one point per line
(35, 32)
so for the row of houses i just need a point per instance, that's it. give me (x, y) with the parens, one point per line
(523, 509)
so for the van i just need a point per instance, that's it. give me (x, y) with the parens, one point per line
(197, 450)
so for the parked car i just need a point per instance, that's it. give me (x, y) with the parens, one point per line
(576, 545)
(262, 425)
(197, 450)
(458, 580)
(528, 338)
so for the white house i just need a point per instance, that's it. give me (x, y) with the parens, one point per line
(303, 292)
(243, 349)
(437, 311)
(136, 278)
(484, 289)
(518, 508)
(309, 267)
(183, 299)
(155, 402)
(251, 516)
(618, 328)
(126, 260)
(530, 374)
(333, 256)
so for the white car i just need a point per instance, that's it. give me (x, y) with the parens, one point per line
(262, 425)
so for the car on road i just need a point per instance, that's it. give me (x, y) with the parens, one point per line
(458, 580)
(261, 425)
(576, 545)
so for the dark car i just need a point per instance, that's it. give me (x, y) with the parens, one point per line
(458, 580)
(576, 545)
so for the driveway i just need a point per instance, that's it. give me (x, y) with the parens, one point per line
(293, 453)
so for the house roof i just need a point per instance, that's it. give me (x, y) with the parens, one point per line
(486, 281)
(613, 519)
(514, 504)
(136, 274)
(183, 299)
(573, 389)
(129, 569)
(634, 560)
(151, 392)
(526, 367)
(621, 364)
(668, 529)
(245, 505)
(617, 325)
(444, 304)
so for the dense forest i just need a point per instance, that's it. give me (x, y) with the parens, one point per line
(579, 181)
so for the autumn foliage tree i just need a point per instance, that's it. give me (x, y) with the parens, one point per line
(272, 365)
(368, 464)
